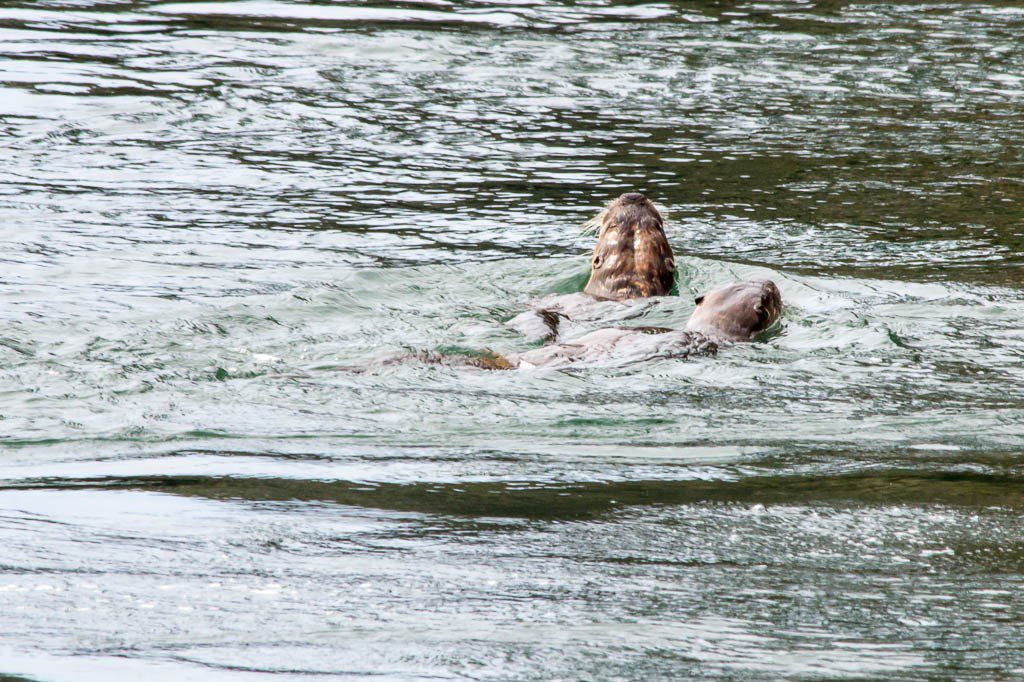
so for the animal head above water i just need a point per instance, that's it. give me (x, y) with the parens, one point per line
(737, 312)
(633, 258)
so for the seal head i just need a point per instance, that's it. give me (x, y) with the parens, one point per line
(737, 312)
(633, 258)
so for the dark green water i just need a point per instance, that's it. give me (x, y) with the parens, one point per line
(219, 218)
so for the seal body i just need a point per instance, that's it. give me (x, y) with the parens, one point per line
(552, 315)
(737, 312)
(632, 258)
(616, 346)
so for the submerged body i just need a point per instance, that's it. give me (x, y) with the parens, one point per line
(551, 316)
(738, 311)
(617, 346)
(606, 347)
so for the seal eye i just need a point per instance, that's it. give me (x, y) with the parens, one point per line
(597, 261)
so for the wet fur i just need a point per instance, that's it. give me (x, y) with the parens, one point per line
(632, 258)
(738, 311)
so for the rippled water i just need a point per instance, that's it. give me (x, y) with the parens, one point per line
(221, 220)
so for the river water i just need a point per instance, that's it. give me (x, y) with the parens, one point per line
(220, 220)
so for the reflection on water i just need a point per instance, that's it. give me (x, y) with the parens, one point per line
(221, 220)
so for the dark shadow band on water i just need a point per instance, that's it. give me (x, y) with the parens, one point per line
(532, 500)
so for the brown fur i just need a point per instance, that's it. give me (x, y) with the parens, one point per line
(633, 258)
(737, 312)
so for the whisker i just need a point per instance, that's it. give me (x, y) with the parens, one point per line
(593, 226)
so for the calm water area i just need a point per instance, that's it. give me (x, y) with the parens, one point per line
(220, 221)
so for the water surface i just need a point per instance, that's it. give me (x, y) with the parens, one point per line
(220, 220)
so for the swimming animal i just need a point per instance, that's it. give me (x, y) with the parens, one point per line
(738, 311)
(633, 258)
(634, 261)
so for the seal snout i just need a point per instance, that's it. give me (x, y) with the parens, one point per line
(633, 198)
(631, 207)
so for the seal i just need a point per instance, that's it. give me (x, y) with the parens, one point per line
(735, 312)
(738, 311)
(632, 258)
